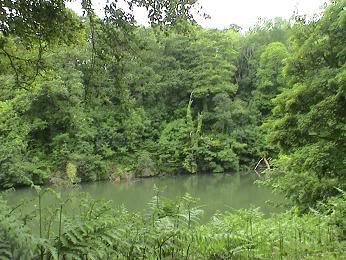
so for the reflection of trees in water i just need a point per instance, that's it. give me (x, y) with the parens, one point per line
(216, 192)
(215, 183)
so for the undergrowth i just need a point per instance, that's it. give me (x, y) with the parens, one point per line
(75, 228)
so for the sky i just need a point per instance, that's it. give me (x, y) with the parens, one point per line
(244, 13)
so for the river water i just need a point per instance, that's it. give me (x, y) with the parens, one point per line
(216, 193)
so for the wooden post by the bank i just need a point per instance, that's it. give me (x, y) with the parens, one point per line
(259, 164)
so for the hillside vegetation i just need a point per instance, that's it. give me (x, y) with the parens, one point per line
(90, 98)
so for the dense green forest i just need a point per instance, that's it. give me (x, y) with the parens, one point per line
(90, 98)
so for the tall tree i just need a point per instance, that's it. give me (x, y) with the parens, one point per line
(310, 116)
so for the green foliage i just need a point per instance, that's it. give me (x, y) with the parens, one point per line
(146, 166)
(87, 99)
(15, 240)
(169, 229)
(216, 155)
(114, 100)
(174, 144)
(71, 172)
(308, 124)
(270, 76)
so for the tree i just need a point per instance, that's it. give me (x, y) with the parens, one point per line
(309, 119)
(270, 76)
(32, 27)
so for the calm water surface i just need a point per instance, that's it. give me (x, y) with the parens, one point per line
(217, 193)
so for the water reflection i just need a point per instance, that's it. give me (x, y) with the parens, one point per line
(217, 193)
